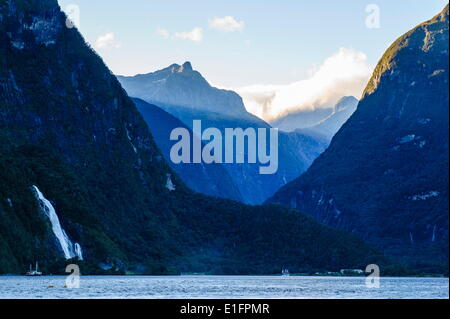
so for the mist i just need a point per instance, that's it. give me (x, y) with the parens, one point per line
(345, 73)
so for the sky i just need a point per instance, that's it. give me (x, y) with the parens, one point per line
(267, 51)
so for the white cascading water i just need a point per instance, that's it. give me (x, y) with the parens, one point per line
(70, 250)
(78, 251)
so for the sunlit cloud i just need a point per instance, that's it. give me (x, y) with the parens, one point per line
(345, 73)
(226, 24)
(196, 35)
(163, 33)
(107, 41)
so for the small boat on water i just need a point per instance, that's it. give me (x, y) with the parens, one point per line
(35, 272)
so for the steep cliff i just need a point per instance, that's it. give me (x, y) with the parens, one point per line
(385, 175)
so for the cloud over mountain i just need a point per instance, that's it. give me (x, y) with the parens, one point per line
(344, 73)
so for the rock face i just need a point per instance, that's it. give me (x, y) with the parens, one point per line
(385, 175)
(185, 94)
(68, 128)
(182, 87)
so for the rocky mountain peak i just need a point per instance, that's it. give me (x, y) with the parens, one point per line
(185, 68)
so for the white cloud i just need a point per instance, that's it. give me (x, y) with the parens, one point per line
(107, 41)
(196, 35)
(226, 24)
(163, 33)
(344, 73)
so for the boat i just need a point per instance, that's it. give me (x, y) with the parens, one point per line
(285, 273)
(35, 272)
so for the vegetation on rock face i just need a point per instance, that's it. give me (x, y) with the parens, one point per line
(385, 175)
(414, 37)
(67, 126)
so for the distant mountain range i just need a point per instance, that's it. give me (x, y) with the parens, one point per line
(298, 120)
(184, 93)
(323, 122)
(329, 126)
(385, 175)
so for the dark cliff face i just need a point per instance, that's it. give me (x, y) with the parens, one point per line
(56, 95)
(385, 174)
(68, 127)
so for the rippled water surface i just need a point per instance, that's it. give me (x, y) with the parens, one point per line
(221, 287)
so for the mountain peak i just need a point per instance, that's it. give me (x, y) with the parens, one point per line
(426, 36)
(183, 87)
(186, 67)
(345, 102)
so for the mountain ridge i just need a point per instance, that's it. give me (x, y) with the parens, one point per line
(159, 88)
(330, 125)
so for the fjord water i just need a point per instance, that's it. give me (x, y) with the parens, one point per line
(211, 287)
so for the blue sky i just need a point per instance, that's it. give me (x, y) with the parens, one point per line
(280, 42)
(266, 42)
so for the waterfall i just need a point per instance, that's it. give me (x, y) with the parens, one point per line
(69, 249)
(78, 251)
(169, 184)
